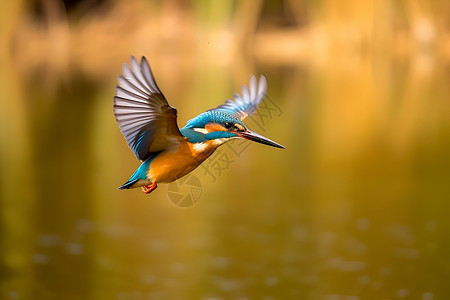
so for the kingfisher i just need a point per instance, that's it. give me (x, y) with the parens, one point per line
(149, 125)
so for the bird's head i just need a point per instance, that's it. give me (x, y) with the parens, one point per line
(222, 127)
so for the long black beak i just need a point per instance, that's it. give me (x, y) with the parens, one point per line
(253, 136)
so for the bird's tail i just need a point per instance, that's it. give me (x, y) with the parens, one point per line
(128, 184)
(139, 174)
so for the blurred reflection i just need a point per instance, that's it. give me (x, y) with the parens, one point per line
(354, 208)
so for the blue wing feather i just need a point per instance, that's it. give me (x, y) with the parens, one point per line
(246, 104)
(147, 121)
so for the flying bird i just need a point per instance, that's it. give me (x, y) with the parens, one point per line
(167, 152)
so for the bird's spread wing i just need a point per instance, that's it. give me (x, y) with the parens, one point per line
(147, 121)
(246, 104)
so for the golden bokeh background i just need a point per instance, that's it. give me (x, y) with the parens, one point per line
(356, 207)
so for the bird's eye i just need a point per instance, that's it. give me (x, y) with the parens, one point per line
(228, 125)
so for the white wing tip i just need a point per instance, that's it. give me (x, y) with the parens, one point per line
(262, 85)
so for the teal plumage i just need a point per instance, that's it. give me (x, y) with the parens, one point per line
(139, 174)
(212, 116)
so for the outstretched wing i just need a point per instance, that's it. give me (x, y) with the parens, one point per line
(147, 121)
(246, 104)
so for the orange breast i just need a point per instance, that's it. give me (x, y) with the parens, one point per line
(173, 164)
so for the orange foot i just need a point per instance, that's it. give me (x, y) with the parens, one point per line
(149, 188)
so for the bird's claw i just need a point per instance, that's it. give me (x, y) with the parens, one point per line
(149, 188)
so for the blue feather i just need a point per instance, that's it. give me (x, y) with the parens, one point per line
(140, 173)
(141, 146)
(192, 135)
(220, 135)
(212, 116)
